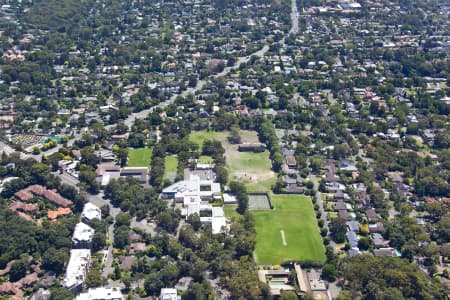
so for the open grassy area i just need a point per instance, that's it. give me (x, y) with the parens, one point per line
(261, 185)
(200, 136)
(139, 157)
(204, 159)
(171, 163)
(230, 211)
(251, 168)
(294, 215)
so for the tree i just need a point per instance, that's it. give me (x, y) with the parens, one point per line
(329, 272)
(122, 155)
(338, 230)
(123, 219)
(121, 238)
(198, 291)
(239, 189)
(374, 277)
(89, 179)
(60, 293)
(222, 175)
(54, 260)
(18, 270)
(94, 279)
(105, 210)
(436, 209)
(194, 220)
(168, 220)
(153, 284)
(288, 295)
(88, 157)
(364, 243)
(98, 241)
(169, 274)
(234, 137)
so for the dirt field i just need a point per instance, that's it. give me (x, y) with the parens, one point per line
(246, 166)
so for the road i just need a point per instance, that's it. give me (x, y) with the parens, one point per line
(294, 17)
(323, 213)
(192, 90)
(201, 83)
(98, 199)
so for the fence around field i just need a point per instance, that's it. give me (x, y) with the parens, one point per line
(259, 201)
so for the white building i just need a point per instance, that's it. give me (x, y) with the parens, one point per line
(91, 212)
(191, 193)
(169, 294)
(77, 268)
(193, 187)
(229, 199)
(101, 293)
(82, 236)
(217, 219)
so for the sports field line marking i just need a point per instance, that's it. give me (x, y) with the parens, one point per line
(283, 237)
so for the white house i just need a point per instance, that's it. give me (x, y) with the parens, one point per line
(91, 212)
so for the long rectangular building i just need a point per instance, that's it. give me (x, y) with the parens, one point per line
(76, 269)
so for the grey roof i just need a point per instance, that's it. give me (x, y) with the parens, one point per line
(384, 252)
(353, 252)
(343, 214)
(353, 226)
(352, 238)
(378, 239)
(340, 205)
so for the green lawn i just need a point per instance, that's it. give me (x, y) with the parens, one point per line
(171, 164)
(250, 162)
(295, 215)
(139, 157)
(230, 211)
(204, 159)
(200, 136)
(260, 186)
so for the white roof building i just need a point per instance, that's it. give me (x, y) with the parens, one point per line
(169, 294)
(82, 235)
(229, 199)
(101, 293)
(217, 219)
(91, 212)
(76, 269)
(218, 225)
(192, 187)
(191, 193)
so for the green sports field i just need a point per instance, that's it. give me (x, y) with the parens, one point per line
(294, 215)
(139, 157)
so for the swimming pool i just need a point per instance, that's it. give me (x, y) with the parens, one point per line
(277, 283)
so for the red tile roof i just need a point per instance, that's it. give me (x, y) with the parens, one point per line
(38, 190)
(25, 207)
